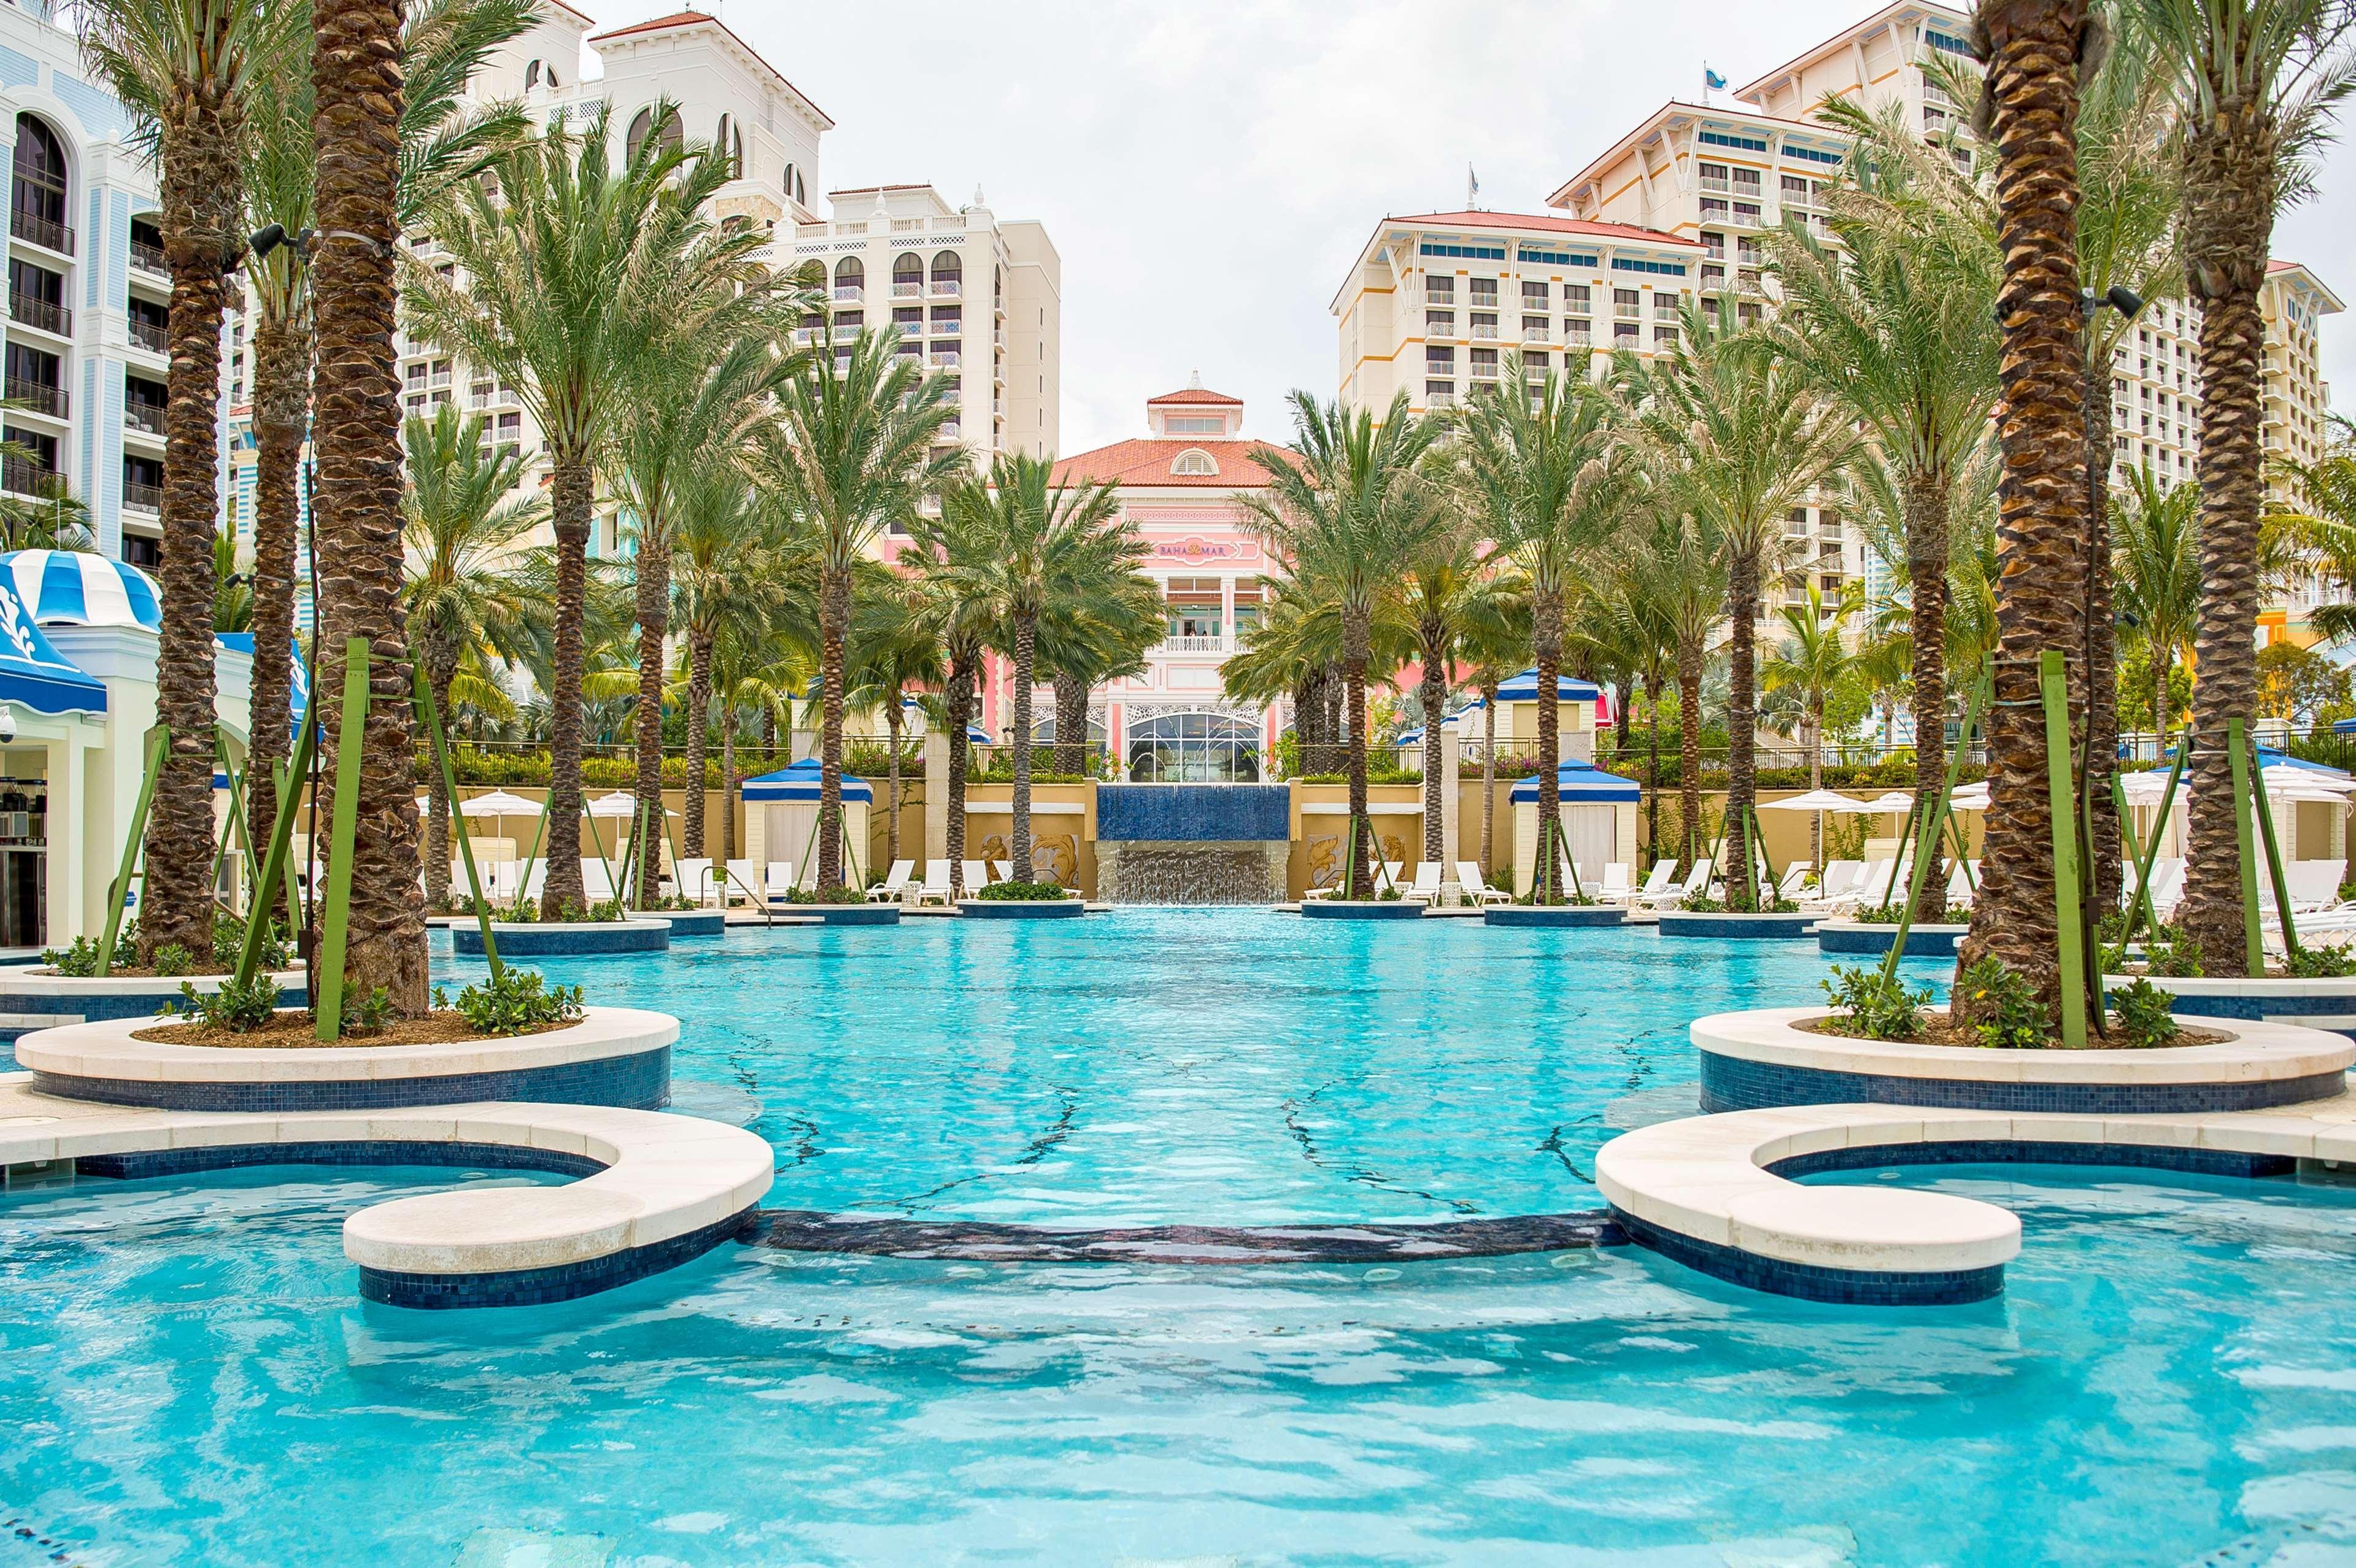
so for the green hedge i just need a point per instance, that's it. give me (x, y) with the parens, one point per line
(529, 768)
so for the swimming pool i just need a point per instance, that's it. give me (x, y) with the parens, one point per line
(187, 1374)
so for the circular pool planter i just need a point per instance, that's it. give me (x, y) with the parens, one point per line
(1022, 908)
(2322, 1003)
(842, 913)
(683, 922)
(1682, 923)
(613, 1056)
(1863, 937)
(1554, 915)
(1756, 1060)
(563, 939)
(1360, 910)
(34, 996)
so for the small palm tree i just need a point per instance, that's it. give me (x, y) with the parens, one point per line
(2156, 556)
(1041, 546)
(896, 651)
(854, 448)
(581, 276)
(728, 583)
(1086, 640)
(463, 518)
(181, 68)
(1815, 657)
(1446, 595)
(1348, 508)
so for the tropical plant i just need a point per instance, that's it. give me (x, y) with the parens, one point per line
(181, 68)
(1348, 509)
(726, 558)
(1814, 657)
(2156, 564)
(232, 591)
(463, 518)
(1444, 593)
(583, 275)
(2255, 84)
(852, 449)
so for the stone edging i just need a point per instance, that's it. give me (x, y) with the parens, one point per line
(1556, 915)
(563, 938)
(32, 1000)
(615, 1056)
(1022, 908)
(1685, 923)
(1361, 909)
(2327, 1002)
(1758, 1059)
(1858, 937)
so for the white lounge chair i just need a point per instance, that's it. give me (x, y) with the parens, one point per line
(975, 874)
(2167, 886)
(895, 886)
(1696, 879)
(935, 888)
(1657, 882)
(1795, 877)
(1615, 888)
(1476, 886)
(1425, 886)
(1001, 870)
(2315, 884)
(694, 880)
(777, 881)
(596, 883)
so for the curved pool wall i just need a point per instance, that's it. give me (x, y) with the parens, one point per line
(1735, 926)
(1851, 938)
(571, 940)
(1022, 908)
(29, 1001)
(1567, 916)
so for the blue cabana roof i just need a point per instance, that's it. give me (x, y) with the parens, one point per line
(799, 783)
(73, 587)
(298, 678)
(2343, 726)
(32, 672)
(1582, 783)
(1523, 688)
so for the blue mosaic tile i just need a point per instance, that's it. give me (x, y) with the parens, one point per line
(2015, 1151)
(1876, 939)
(1809, 1281)
(160, 1162)
(537, 1287)
(1553, 915)
(1732, 1083)
(524, 941)
(638, 1082)
(1000, 910)
(1359, 910)
(1756, 927)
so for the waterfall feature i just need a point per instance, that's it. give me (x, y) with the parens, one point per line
(1193, 844)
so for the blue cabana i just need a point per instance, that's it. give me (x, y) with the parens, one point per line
(799, 784)
(1582, 783)
(1523, 688)
(33, 673)
(298, 678)
(74, 587)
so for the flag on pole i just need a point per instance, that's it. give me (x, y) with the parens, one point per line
(1472, 188)
(1710, 78)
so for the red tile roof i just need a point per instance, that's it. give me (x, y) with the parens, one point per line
(1146, 465)
(1548, 223)
(1194, 394)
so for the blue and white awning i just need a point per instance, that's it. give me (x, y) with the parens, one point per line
(298, 677)
(1523, 688)
(33, 672)
(799, 784)
(1581, 783)
(72, 588)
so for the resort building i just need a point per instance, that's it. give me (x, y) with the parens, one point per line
(1184, 485)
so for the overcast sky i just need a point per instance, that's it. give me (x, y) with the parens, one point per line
(1209, 170)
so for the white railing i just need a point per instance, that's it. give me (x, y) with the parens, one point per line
(846, 334)
(949, 285)
(1481, 302)
(1484, 330)
(946, 359)
(805, 336)
(1716, 182)
(909, 290)
(1534, 332)
(1191, 645)
(946, 329)
(850, 293)
(1440, 399)
(1484, 372)
(952, 431)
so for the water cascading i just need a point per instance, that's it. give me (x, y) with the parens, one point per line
(1193, 844)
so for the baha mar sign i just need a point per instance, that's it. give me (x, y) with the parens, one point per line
(1195, 548)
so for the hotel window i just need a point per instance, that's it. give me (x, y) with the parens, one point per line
(1439, 361)
(1713, 245)
(1623, 334)
(1746, 215)
(1747, 251)
(1440, 323)
(1713, 177)
(1578, 333)
(1746, 183)
(1575, 298)
(1712, 277)
(1484, 292)
(1664, 308)
(1485, 364)
(1533, 295)
(1537, 362)
(1749, 315)
(1626, 305)
(1534, 328)
(1715, 210)
(415, 374)
(1439, 291)
(1483, 324)
(1664, 335)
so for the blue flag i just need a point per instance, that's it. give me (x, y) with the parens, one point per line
(1710, 78)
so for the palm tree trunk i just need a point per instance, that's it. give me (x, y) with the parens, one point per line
(654, 624)
(2102, 647)
(1027, 649)
(1690, 744)
(441, 668)
(727, 786)
(960, 707)
(1337, 693)
(1927, 502)
(1653, 765)
(2228, 220)
(2160, 713)
(1435, 700)
(1817, 780)
(1488, 776)
(2040, 537)
(1545, 644)
(571, 501)
(699, 711)
(834, 623)
(1071, 723)
(282, 397)
(1742, 729)
(892, 766)
(1355, 638)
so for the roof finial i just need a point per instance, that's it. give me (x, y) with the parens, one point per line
(979, 200)
(1195, 383)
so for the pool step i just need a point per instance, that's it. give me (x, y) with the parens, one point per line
(805, 1231)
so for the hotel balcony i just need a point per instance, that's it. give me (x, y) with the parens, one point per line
(40, 231)
(142, 497)
(144, 416)
(40, 314)
(805, 336)
(946, 359)
(952, 431)
(1169, 645)
(949, 288)
(846, 334)
(148, 258)
(38, 396)
(1484, 372)
(850, 293)
(1440, 399)
(1717, 182)
(21, 478)
(906, 290)
(152, 336)
(1484, 330)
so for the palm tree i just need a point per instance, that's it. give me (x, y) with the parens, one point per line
(1739, 438)
(944, 549)
(895, 651)
(2156, 556)
(1087, 640)
(852, 448)
(1815, 659)
(1347, 507)
(2254, 83)
(463, 519)
(181, 68)
(728, 577)
(1541, 474)
(442, 43)
(1042, 545)
(581, 275)
(1445, 593)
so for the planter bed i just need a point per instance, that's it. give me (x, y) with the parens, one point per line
(1360, 910)
(1554, 915)
(1861, 936)
(1682, 923)
(33, 996)
(1755, 1059)
(1022, 908)
(840, 914)
(613, 1056)
(2327, 1002)
(563, 938)
(683, 922)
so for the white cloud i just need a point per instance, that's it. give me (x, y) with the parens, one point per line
(1208, 171)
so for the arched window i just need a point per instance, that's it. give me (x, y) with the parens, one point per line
(1194, 748)
(1195, 461)
(552, 77)
(643, 125)
(730, 143)
(948, 272)
(38, 193)
(531, 75)
(907, 274)
(850, 279)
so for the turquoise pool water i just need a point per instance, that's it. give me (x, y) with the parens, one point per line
(186, 1375)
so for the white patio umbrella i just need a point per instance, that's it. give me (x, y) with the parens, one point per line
(498, 805)
(1971, 797)
(1820, 800)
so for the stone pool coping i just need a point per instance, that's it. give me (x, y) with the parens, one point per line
(563, 939)
(1760, 1057)
(30, 999)
(688, 922)
(1755, 928)
(1934, 941)
(1361, 909)
(613, 1056)
(655, 1190)
(2325, 1003)
(1714, 1192)
(1022, 908)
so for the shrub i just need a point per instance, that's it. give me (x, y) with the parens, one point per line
(367, 1014)
(229, 944)
(172, 959)
(2321, 964)
(1018, 890)
(2003, 1006)
(516, 1000)
(2144, 1017)
(78, 961)
(838, 893)
(1888, 913)
(2176, 959)
(239, 1009)
(1390, 896)
(1874, 1007)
